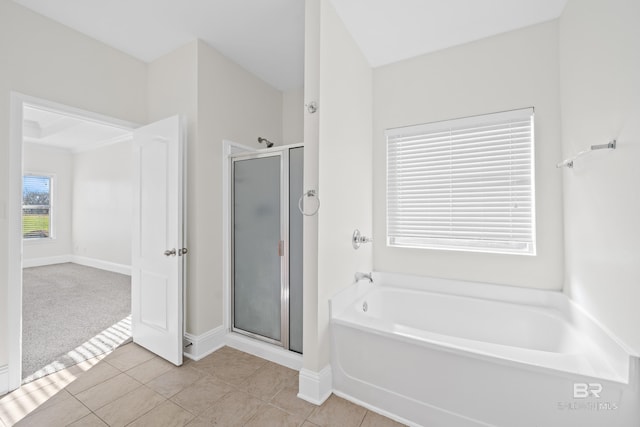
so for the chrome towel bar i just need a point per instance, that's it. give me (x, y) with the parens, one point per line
(569, 162)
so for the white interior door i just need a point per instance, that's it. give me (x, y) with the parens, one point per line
(158, 245)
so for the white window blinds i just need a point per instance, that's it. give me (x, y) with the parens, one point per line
(463, 184)
(36, 207)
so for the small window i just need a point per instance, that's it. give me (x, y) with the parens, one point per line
(464, 184)
(36, 207)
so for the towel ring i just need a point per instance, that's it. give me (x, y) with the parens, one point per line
(310, 193)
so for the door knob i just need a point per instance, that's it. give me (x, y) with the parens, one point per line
(170, 252)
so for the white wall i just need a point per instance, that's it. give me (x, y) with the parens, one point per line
(234, 105)
(173, 89)
(103, 203)
(92, 205)
(293, 116)
(310, 330)
(39, 159)
(513, 70)
(600, 65)
(344, 159)
(221, 101)
(42, 58)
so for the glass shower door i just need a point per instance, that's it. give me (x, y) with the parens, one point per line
(257, 246)
(296, 178)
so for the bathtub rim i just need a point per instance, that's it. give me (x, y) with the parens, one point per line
(405, 405)
(618, 356)
(477, 354)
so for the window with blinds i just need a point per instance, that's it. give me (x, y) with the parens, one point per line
(36, 207)
(464, 184)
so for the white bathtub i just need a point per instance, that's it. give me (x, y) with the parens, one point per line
(444, 353)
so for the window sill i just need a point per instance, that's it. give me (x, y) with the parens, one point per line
(38, 241)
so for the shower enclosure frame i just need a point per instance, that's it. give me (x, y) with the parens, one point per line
(283, 153)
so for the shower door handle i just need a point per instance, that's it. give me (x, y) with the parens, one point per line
(280, 247)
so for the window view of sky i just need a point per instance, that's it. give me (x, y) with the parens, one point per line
(35, 184)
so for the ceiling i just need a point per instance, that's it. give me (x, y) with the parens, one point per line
(66, 132)
(388, 31)
(266, 37)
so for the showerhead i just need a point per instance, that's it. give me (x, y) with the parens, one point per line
(266, 141)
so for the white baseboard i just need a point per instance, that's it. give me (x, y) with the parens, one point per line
(50, 260)
(266, 351)
(315, 387)
(204, 344)
(76, 259)
(200, 346)
(4, 380)
(102, 265)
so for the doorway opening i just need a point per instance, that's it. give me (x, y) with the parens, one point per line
(70, 212)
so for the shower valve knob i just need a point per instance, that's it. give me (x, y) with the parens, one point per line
(357, 239)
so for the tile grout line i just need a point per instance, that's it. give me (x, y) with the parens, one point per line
(170, 399)
(142, 415)
(236, 388)
(64, 389)
(253, 416)
(366, 411)
(266, 399)
(108, 403)
(90, 411)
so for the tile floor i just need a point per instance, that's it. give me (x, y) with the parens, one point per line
(133, 387)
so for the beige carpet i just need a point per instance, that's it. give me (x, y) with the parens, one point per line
(71, 313)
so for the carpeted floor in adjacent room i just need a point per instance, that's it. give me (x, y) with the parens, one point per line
(71, 313)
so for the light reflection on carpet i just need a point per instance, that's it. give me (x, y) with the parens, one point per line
(105, 342)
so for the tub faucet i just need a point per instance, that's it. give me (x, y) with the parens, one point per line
(368, 276)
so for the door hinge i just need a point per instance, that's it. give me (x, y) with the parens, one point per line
(280, 247)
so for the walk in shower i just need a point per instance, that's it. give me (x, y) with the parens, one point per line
(266, 246)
